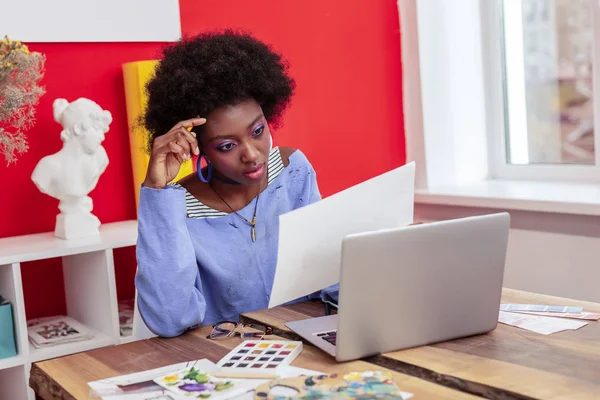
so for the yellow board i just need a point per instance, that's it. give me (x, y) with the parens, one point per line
(135, 76)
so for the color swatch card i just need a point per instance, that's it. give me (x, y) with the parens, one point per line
(259, 356)
(540, 308)
(582, 315)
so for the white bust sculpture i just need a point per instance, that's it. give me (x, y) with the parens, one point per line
(71, 173)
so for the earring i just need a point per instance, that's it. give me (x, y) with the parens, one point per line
(208, 169)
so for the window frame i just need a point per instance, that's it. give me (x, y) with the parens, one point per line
(493, 61)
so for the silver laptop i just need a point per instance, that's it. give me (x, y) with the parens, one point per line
(412, 286)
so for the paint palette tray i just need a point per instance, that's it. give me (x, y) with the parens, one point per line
(260, 356)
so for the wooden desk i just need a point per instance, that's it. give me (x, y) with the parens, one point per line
(506, 363)
(67, 377)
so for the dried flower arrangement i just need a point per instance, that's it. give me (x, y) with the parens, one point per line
(20, 72)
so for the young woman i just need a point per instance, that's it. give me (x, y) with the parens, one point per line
(207, 246)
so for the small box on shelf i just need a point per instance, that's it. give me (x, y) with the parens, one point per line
(8, 345)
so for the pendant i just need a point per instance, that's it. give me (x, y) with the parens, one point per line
(253, 233)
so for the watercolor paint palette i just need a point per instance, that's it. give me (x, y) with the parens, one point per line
(355, 385)
(260, 355)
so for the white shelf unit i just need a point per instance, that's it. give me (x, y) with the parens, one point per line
(90, 291)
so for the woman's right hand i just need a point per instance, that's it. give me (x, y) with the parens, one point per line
(169, 151)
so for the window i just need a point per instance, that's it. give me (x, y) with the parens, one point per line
(501, 90)
(543, 77)
(548, 53)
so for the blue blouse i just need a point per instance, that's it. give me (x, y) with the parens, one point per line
(199, 266)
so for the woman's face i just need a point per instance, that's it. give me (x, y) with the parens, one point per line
(237, 141)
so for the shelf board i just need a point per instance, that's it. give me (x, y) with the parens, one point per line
(126, 339)
(45, 245)
(10, 362)
(99, 340)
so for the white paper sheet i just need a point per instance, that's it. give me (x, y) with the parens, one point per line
(108, 389)
(310, 237)
(539, 324)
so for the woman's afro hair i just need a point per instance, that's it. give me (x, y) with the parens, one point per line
(204, 72)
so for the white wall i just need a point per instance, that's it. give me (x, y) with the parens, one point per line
(91, 20)
(555, 254)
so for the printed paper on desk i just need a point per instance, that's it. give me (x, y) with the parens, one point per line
(141, 385)
(539, 324)
(310, 238)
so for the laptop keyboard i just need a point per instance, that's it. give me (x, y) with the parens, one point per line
(328, 336)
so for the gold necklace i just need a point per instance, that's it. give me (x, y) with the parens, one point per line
(252, 223)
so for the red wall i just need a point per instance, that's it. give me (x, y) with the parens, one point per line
(72, 71)
(345, 56)
(346, 116)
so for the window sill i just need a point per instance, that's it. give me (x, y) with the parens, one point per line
(551, 197)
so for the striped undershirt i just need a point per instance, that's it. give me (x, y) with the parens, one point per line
(196, 209)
